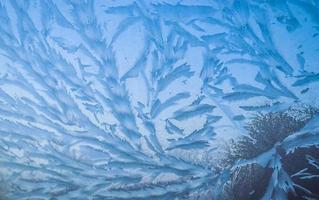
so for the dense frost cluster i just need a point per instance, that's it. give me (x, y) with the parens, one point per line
(187, 99)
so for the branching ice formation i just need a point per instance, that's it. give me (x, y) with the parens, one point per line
(133, 99)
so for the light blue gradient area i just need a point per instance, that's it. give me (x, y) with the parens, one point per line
(138, 99)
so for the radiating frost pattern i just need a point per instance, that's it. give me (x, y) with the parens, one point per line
(144, 99)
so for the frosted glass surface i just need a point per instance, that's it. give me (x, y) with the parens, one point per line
(154, 99)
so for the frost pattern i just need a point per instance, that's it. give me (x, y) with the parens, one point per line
(140, 99)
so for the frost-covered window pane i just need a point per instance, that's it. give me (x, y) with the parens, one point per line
(159, 99)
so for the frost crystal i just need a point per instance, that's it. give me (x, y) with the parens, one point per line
(159, 99)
